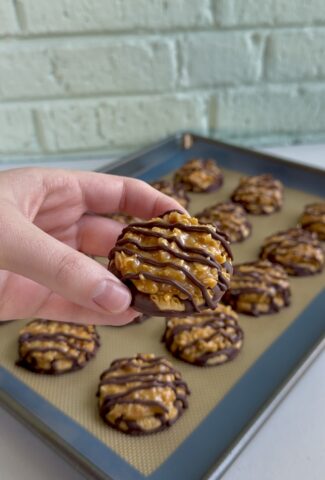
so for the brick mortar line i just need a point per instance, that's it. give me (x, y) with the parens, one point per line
(185, 92)
(20, 15)
(39, 132)
(156, 33)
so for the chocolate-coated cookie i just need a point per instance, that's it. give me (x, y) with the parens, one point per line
(313, 219)
(297, 250)
(230, 218)
(210, 338)
(172, 264)
(258, 288)
(178, 193)
(141, 395)
(137, 320)
(261, 194)
(47, 346)
(199, 175)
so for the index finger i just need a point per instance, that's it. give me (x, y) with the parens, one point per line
(105, 193)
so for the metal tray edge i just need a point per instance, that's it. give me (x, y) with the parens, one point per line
(179, 137)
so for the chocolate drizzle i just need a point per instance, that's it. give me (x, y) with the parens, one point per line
(135, 378)
(169, 188)
(268, 283)
(313, 219)
(197, 347)
(199, 175)
(230, 218)
(259, 195)
(129, 243)
(71, 347)
(297, 250)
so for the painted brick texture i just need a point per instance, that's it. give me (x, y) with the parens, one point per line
(44, 16)
(97, 75)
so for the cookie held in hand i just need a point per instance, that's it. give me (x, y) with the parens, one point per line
(259, 195)
(297, 250)
(199, 176)
(50, 347)
(141, 395)
(172, 264)
(258, 288)
(137, 320)
(210, 338)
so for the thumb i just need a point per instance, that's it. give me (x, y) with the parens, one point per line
(28, 251)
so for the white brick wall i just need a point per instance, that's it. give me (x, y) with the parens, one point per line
(296, 55)
(117, 122)
(17, 132)
(87, 75)
(234, 13)
(57, 16)
(80, 67)
(8, 20)
(221, 58)
(270, 110)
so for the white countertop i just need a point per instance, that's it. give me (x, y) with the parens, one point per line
(290, 445)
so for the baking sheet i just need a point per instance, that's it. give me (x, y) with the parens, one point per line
(74, 394)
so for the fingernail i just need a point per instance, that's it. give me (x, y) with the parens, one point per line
(112, 296)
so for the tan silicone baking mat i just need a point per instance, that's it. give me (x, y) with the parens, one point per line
(74, 393)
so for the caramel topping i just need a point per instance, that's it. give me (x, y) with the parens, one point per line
(261, 194)
(141, 394)
(258, 287)
(230, 218)
(54, 347)
(297, 250)
(174, 258)
(199, 175)
(211, 338)
(313, 219)
(168, 188)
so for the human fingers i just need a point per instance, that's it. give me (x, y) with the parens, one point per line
(58, 308)
(38, 301)
(97, 235)
(104, 193)
(28, 251)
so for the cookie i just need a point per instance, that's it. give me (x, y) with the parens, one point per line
(313, 219)
(210, 338)
(137, 320)
(199, 175)
(258, 288)
(259, 195)
(123, 218)
(141, 395)
(176, 192)
(228, 217)
(172, 264)
(47, 346)
(297, 250)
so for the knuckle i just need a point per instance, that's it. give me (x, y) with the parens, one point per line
(68, 267)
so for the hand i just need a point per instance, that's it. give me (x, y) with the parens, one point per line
(47, 218)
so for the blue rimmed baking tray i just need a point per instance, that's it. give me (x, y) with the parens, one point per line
(244, 407)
